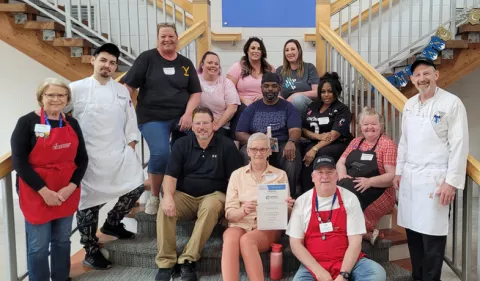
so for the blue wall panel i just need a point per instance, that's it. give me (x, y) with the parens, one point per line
(268, 13)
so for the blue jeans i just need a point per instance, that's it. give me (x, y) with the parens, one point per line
(364, 270)
(157, 136)
(301, 103)
(40, 237)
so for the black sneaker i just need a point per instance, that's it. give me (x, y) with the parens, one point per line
(164, 274)
(97, 261)
(187, 271)
(118, 231)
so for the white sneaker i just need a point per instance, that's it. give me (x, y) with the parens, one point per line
(151, 207)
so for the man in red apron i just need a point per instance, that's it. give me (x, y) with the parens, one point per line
(326, 229)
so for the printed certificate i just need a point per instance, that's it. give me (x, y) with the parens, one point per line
(272, 208)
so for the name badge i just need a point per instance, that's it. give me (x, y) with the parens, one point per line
(326, 227)
(323, 120)
(42, 130)
(270, 177)
(169, 70)
(366, 157)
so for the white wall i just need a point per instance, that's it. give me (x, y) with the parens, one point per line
(20, 78)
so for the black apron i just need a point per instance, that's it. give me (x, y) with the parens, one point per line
(366, 168)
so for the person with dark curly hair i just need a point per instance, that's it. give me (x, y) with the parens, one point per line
(326, 126)
(247, 73)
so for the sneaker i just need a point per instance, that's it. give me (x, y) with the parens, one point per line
(151, 208)
(187, 272)
(118, 231)
(164, 274)
(97, 261)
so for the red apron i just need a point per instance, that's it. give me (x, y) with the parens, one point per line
(330, 252)
(53, 160)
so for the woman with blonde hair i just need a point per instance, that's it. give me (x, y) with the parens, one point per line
(49, 156)
(367, 168)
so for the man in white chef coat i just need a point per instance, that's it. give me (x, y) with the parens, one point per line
(431, 166)
(108, 121)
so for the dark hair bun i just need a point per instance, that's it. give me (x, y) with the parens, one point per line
(330, 75)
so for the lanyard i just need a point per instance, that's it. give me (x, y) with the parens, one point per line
(331, 209)
(48, 123)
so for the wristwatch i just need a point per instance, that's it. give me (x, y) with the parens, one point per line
(345, 275)
(292, 140)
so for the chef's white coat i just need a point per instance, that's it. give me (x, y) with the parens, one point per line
(108, 122)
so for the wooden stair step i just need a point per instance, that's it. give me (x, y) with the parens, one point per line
(465, 28)
(456, 44)
(86, 58)
(43, 25)
(397, 237)
(71, 42)
(17, 8)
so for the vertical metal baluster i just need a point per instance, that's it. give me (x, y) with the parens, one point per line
(400, 25)
(355, 96)
(68, 19)
(155, 10)
(360, 27)
(9, 227)
(109, 26)
(362, 91)
(420, 17)
(370, 31)
(98, 17)
(184, 20)
(430, 18)
(349, 24)
(147, 35)
(327, 57)
(440, 17)
(129, 39)
(138, 31)
(410, 23)
(453, 24)
(174, 13)
(369, 94)
(386, 116)
(164, 7)
(390, 33)
(119, 27)
(79, 10)
(89, 16)
(380, 18)
(394, 123)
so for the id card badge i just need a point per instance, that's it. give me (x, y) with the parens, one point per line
(169, 70)
(42, 130)
(274, 144)
(366, 157)
(323, 120)
(326, 227)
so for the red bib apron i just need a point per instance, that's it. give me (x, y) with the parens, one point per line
(53, 159)
(330, 252)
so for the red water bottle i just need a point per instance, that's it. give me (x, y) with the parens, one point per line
(276, 262)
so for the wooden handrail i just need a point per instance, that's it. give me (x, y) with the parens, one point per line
(6, 166)
(375, 8)
(338, 5)
(394, 96)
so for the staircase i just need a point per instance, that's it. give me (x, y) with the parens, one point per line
(136, 258)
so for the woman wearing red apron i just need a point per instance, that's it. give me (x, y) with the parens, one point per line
(50, 159)
(326, 228)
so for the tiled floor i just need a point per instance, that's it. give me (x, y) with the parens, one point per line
(447, 274)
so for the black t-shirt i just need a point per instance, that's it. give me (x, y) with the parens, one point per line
(337, 117)
(200, 172)
(165, 86)
(24, 140)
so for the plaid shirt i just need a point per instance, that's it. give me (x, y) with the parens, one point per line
(386, 152)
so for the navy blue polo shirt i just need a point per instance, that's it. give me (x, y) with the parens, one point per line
(203, 171)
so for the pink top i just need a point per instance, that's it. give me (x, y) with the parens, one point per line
(248, 87)
(218, 95)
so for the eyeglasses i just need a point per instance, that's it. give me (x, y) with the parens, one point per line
(53, 96)
(256, 150)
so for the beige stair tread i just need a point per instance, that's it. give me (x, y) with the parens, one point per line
(86, 58)
(43, 25)
(469, 28)
(397, 237)
(456, 44)
(17, 8)
(71, 42)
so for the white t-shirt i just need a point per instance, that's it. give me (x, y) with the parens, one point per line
(300, 218)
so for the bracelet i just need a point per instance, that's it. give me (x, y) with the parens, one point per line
(314, 148)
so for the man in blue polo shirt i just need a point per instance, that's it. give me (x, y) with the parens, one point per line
(285, 123)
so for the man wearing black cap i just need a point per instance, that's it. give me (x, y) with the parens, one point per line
(107, 118)
(326, 229)
(281, 118)
(431, 166)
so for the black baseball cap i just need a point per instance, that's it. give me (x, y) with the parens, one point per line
(271, 77)
(110, 48)
(421, 60)
(322, 161)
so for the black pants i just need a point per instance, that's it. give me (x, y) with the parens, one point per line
(291, 168)
(334, 150)
(87, 219)
(426, 255)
